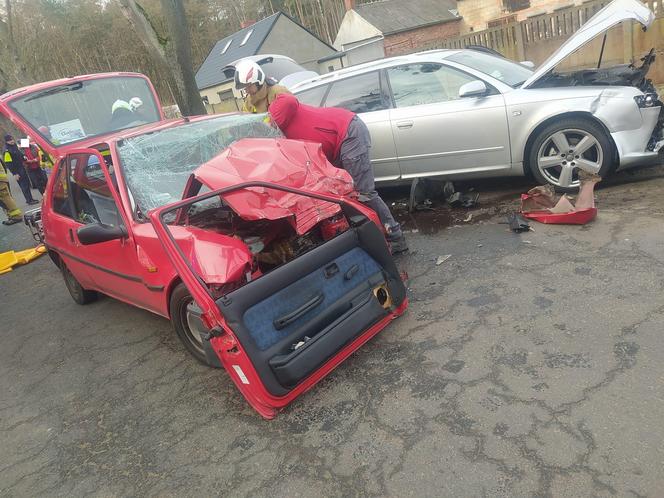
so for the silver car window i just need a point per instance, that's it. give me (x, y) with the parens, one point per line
(358, 94)
(313, 96)
(425, 83)
(502, 69)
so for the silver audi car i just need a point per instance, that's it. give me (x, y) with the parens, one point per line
(462, 114)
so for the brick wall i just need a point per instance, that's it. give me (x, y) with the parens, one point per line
(411, 41)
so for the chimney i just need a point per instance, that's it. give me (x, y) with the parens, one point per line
(247, 23)
(350, 4)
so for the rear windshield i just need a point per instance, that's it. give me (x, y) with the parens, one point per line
(75, 111)
(157, 165)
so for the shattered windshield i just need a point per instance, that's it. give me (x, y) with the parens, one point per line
(504, 70)
(75, 111)
(157, 165)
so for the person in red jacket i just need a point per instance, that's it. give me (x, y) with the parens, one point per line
(346, 142)
(36, 174)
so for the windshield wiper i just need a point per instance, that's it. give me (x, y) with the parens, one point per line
(58, 89)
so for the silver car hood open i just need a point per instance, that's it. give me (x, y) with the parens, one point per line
(614, 13)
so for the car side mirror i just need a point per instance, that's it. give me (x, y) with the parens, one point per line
(528, 64)
(98, 232)
(475, 88)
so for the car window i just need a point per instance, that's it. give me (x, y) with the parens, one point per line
(500, 68)
(425, 83)
(313, 96)
(358, 94)
(81, 192)
(61, 204)
(71, 112)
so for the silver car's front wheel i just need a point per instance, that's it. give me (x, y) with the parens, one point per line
(562, 149)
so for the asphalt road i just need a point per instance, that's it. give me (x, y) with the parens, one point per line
(527, 365)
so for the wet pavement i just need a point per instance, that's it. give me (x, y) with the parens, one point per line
(527, 365)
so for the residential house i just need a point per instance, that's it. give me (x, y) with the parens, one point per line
(277, 34)
(373, 30)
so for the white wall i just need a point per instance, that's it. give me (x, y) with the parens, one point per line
(365, 52)
(354, 29)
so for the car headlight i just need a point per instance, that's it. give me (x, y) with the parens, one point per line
(646, 100)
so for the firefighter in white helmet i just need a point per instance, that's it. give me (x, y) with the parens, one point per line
(260, 91)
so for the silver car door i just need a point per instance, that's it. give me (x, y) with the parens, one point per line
(438, 133)
(365, 95)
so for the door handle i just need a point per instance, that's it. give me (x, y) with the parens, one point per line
(71, 236)
(285, 320)
(404, 125)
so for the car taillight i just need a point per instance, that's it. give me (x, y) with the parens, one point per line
(646, 100)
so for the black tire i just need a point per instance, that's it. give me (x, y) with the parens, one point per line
(180, 298)
(78, 293)
(574, 129)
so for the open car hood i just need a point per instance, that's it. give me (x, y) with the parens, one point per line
(611, 15)
(289, 163)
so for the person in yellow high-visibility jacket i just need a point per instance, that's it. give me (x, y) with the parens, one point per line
(6, 200)
(260, 91)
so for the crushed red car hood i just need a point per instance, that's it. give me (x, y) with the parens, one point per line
(217, 257)
(289, 163)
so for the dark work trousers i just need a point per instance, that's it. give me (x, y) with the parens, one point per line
(354, 158)
(38, 179)
(24, 183)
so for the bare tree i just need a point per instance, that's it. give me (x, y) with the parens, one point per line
(17, 69)
(173, 52)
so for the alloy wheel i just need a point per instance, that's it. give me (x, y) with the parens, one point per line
(563, 153)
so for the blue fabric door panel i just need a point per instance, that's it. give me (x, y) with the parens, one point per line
(292, 367)
(353, 269)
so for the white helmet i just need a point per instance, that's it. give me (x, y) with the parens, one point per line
(135, 103)
(120, 104)
(246, 72)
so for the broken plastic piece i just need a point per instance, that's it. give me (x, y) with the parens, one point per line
(461, 199)
(448, 190)
(420, 193)
(442, 259)
(539, 204)
(517, 223)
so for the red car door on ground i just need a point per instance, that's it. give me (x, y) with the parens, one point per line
(112, 265)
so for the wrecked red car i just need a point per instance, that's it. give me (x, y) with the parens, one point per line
(254, 246)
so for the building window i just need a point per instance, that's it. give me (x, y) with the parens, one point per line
(226, 95)
(228, 44)
(246, 37)
(514, 5)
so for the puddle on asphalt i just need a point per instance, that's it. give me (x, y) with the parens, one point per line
(438, 217)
